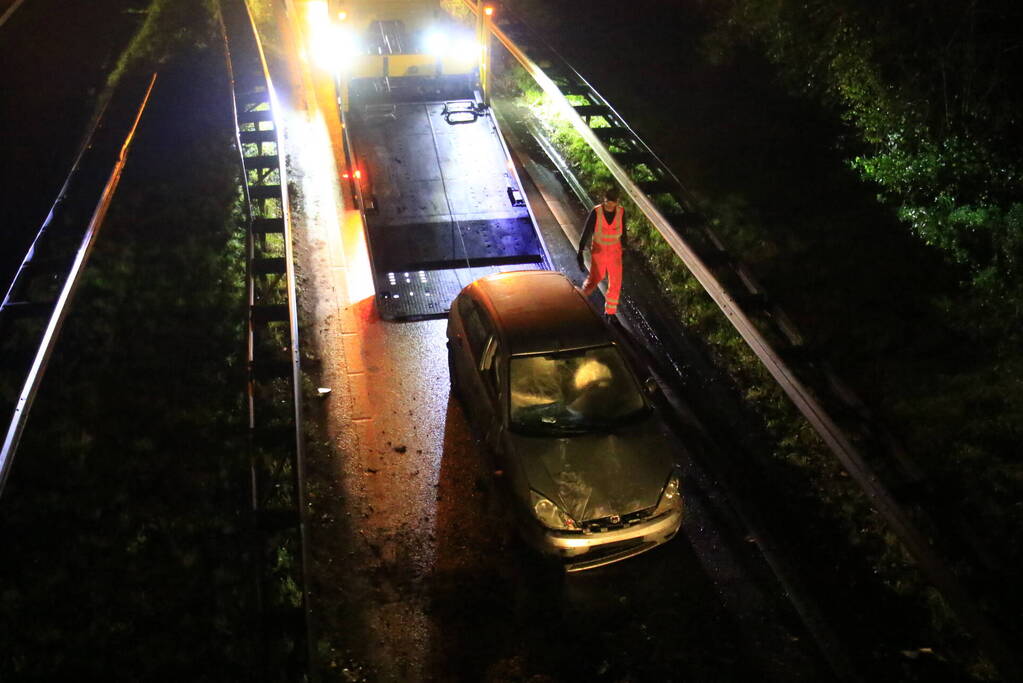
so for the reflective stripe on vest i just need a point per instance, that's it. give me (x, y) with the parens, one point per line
(605, 233)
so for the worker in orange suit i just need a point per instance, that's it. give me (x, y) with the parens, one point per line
(605, 232)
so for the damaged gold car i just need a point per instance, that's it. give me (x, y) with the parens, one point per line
(588, 463)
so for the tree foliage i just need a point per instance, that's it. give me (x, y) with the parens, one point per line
(932, 89)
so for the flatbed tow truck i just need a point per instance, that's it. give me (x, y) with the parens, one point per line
(439, 195)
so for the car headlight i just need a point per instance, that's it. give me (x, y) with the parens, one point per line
(671, 496)
(549, 514)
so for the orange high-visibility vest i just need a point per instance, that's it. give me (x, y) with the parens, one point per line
(608, 234)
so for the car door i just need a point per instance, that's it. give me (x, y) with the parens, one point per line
(493, 409)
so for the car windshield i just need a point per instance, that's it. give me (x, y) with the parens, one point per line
(573, 392)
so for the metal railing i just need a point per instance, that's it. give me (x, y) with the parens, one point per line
(46, 281)
(274, 387)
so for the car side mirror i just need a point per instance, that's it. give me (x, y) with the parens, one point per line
(651, 386)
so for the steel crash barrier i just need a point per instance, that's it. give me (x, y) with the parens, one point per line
(627, 158)
(40, 295)
(272, 353)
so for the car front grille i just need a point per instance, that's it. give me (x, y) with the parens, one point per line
(612, 523)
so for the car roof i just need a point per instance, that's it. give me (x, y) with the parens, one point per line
(541, 311)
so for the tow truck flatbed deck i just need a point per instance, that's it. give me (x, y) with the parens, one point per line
(441, 202)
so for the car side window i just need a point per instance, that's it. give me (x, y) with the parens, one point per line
(497, 369)
(475, 333)
(490, 363)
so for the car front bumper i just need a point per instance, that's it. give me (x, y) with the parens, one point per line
(581, 551)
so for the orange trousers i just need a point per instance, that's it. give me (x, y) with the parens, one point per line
(606, 261)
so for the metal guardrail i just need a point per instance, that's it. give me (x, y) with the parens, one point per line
(276, 439)
(49, 274)
(558, 80)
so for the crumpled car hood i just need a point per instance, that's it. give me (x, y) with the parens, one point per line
(598, 475)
